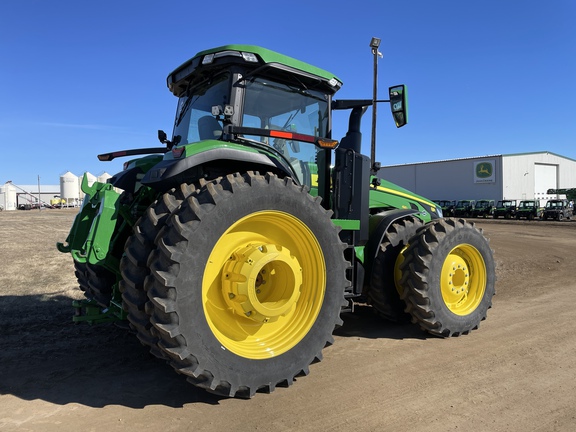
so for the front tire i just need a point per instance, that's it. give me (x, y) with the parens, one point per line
(248, 283)
(448, 277)
(101, 284)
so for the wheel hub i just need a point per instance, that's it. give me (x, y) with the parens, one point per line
(262, 282)
(455, 279)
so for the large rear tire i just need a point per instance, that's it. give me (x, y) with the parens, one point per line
(448, 277)
(385, 287)
(134, 263)
(248, 283)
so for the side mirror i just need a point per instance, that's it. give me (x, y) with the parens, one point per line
(399, 104)
(162, 137)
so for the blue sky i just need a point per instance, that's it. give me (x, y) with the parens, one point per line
(484, 77)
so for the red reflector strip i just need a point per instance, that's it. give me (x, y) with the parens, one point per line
(292, 136)
(281, 134)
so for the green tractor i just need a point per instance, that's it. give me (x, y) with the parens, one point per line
(234, 249)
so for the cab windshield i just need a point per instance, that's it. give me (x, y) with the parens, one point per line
(276, 106)
(267, 105)
(194, 120)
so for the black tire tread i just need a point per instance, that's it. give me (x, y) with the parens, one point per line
(418, 281)
(134, 264)
(382, 293)
(81, 273)
(100, 284)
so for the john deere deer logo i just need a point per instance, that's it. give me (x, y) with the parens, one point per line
(484, 170)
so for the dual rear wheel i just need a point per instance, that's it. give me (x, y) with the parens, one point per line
(242, 285)
(444, 275)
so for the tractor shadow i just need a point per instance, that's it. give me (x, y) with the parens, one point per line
(45, 356)
(365, 323)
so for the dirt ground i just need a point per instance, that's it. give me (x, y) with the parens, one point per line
(517, 372)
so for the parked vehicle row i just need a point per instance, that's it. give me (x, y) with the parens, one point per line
(557, 209)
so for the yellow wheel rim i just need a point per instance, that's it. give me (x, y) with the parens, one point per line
(463, 279)
(263, 285)
(397, 272)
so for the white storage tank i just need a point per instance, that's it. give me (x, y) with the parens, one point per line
(69, 188)
(91, 178)
(103, 178)
(8, 196)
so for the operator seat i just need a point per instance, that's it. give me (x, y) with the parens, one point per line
(209, 128)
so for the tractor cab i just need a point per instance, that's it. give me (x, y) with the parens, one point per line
(250, 98)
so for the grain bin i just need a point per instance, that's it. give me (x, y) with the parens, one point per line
(103, 178)
(69, 188)
(91, 178)
(8, 196)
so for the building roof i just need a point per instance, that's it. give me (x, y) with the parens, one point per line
(444, 160)
(479, 157)
(540, 152)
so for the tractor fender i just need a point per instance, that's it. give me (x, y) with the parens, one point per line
(129, 179)
(172, 172)
(379, 224)
(126, 179)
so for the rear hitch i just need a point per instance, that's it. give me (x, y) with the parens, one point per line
(91, 312)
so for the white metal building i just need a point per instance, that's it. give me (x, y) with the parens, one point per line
(512, 176)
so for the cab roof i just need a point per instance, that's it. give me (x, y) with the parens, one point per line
(253, 55)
